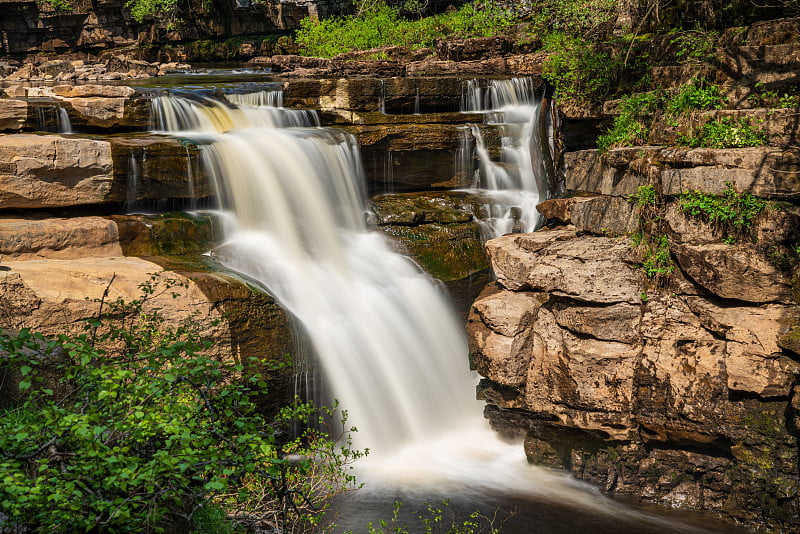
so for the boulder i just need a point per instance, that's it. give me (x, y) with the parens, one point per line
(733, 272)
(54, 296)
(591, 269)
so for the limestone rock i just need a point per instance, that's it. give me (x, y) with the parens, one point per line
(592, 269)
(733, 272)
(560, 208)
(76, 237)
(618, 322)
(93, 90)
(606, 215)
(500, 349)
(13, 114)
(53, 296)
(39, 171)
(473, 49)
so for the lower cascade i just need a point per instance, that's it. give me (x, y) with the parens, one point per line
(391, 349)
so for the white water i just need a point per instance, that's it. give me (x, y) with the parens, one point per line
(391, 349)
(53, 119)
(518, 181)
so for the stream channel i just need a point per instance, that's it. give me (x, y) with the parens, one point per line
(386, 338)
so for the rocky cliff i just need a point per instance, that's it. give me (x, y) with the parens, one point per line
(644, 344)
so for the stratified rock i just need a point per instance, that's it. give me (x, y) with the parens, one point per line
(733, 272)
(13, 114)
(473, 49)
(605, 215)
(76, 237)
(618, 322)
(54, 296)
(39, 171)
(592, 269)
(93, 90)
(763, 171)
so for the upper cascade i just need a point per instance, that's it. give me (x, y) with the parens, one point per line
(518, 181)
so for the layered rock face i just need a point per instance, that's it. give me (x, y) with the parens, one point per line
(681, 394)
(644, 345)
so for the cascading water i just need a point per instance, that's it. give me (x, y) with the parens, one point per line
(518, 182)
(53, 119)
(391, 349)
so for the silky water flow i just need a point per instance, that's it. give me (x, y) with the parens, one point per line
(392, 351)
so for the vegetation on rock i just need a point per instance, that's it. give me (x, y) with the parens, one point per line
(141, 432)
(732, 211)
(378, 24)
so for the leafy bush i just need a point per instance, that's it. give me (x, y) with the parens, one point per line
(576, 18)
(645, 196)
(142, 430)
(631, 125)
(433, 521)
(577, 69)
(695, 96)
(732, 211)
(657, 261)
(378, 25)
(725, 133)
(694, 46)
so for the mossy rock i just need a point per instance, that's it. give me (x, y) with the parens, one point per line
(167, 234)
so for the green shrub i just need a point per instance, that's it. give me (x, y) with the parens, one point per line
(433, 520)
(631, 125)
(725, 133)
(61, 6)
(142, 430)
(576, 18)
(695, 96)
(380, 25)
(577, 69)
(732, 212)
(657, 261)
(159, 9)
(645, 196)
(694, 46)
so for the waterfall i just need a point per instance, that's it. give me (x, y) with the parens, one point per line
(53, 119)
(517, 182)
(389, 345)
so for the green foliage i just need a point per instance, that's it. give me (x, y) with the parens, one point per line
(577, 69)
(695, 96)
(732, 212)
(433, 521)
(725, 133)
(645, 196)
(631, 125)
(141, 430)
(159, 9)
(772, 98)
(376, 24)
(61, 6)
(657, 261)
(576, 18)
(694, 46)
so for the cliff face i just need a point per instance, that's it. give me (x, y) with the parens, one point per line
(644, 345)
(29, 27)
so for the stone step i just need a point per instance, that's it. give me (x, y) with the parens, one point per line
(90, 107)
(50, 171)
(43, 236)
(763, 171)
